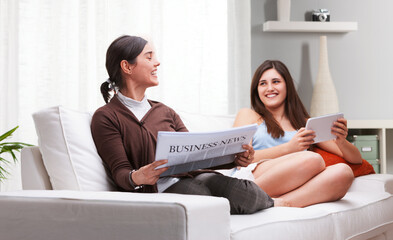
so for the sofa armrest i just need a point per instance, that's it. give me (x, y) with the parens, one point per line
(373, 183)
(34, 174)
(112, 215)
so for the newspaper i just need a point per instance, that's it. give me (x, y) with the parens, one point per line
(187, 151)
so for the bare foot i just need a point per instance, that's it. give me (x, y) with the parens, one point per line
(279, 202)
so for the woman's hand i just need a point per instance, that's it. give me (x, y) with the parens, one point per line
(302, 140)
(340, 146)
(243, 159)
(340, 130)
(148, 174)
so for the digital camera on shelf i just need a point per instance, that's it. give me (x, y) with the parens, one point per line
(320, 15)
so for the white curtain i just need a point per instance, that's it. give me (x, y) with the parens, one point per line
(239, 55)
(53, 53)
(9, 101)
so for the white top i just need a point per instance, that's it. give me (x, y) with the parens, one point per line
(139, 109)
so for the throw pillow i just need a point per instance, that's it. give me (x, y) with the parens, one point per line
(68, 151)
(358, 169)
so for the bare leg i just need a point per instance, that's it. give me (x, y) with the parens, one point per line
(330, 185)
(280, 202)
(287, 173)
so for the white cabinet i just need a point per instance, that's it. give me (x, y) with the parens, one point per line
(384, 130)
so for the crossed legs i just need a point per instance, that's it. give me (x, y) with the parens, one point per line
(244, 196)
(301, 179)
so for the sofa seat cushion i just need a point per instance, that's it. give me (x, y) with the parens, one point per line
(373, 183)
(357, 212)
(283, 223)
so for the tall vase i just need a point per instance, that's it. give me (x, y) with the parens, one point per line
(283, 10)
(324, 98)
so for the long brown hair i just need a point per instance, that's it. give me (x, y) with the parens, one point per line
(294, 108)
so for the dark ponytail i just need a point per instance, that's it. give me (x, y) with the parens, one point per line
(123, 48)
(106, 87)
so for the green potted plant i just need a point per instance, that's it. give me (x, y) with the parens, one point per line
(10, 148)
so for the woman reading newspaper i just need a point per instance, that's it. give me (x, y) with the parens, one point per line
(125, 131)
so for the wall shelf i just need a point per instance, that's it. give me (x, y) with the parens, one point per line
(293, 26)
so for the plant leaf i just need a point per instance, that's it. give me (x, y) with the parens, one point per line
(10, 148)
(7, 134)
(2, 169)
(14, 143)
(3, 174)
(3, 160)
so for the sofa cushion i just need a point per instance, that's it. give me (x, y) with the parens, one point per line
(357, 214)
(282, 223)
(373, 183)
(360, 213)
(68, 151)
(358, 169)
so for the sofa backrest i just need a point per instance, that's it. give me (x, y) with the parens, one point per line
(69, 157)
(196, 122)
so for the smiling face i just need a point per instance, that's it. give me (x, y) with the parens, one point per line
(272, 89)
(144, 72)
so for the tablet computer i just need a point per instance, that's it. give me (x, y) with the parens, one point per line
(322, 126)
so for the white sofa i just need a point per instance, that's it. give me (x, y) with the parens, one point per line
(67, 196)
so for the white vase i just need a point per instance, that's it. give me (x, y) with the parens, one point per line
(324, 98)
(283, 10)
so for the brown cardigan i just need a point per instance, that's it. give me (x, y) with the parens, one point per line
(125, 143)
